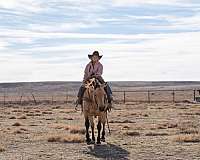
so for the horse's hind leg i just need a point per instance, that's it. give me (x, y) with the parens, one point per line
(87, 125)
(99, 132)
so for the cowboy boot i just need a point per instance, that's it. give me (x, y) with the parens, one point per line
(80, 95)
(110, 99)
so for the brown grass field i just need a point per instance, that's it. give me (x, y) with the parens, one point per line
(139, 131)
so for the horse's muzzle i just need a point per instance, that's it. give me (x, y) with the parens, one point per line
(101, 109)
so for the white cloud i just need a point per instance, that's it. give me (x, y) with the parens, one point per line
(36, 34)
(61, 27)
(3, 44)
(21, 5)
(128, 3)
(169, 57)
(29, 54)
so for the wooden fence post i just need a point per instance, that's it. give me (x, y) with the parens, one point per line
(34, 98)
(173, 93)
(52, 99)
(4, 99)
(149, 100)
(124, 97)
(66, 97)
(194, 95)
(20, 100)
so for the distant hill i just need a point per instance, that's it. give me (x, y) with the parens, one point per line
(61, 86)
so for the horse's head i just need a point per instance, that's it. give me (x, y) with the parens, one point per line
(99, 95)
(97, 92)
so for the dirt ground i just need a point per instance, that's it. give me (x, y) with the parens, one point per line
(138, 131)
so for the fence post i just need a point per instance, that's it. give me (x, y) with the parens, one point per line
(4, 99)
(149, 100)
(34, 98)
(173, 93)
(124, 97)
(52, 99)
(20, 100)
(66, 97)
(194, 95)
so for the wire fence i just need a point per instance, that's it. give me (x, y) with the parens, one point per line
(147, 96)
(157, 96)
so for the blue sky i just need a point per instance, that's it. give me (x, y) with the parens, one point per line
(47, 40)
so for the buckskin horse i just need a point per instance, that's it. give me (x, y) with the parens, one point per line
(94, 105)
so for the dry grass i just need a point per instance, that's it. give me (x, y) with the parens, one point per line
(68, 118)
(13, 117)
(20, 131)
(189, 131)
(56, 107)
(165, 126)
(125, 127)
(2, 149)
(49, 119)
(124, 121)
(54, 139)
(22, 117)
(17, 110)
(23, 129)
(58, 126)
(77, 130)
(47, 112)
(188, 128)
(189, 138)
(17, 132)
(29, 114)
(67, 111)
(132, 133)
(37, 111)
(75, 138)
(132, 128)
(156, 134)
(172, 125)
(17, 124)
(161, 126)
(72, 129)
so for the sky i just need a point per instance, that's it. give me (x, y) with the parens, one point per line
(140, 40)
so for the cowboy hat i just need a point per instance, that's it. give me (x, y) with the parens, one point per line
(95, 53)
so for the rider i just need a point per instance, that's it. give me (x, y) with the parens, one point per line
(94, 69)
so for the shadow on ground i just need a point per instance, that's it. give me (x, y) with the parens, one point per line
(108, 151)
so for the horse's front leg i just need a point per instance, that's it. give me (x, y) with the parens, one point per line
(103, 133)
(99, 132)
(92, 127)
(87, 125)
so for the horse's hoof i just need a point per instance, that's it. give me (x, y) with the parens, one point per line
(103, 139)
(98, 142)
(88, 141)
(92, 142)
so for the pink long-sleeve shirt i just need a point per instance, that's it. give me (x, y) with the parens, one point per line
(96, 69)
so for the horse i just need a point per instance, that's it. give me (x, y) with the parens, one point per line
(94, 105)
